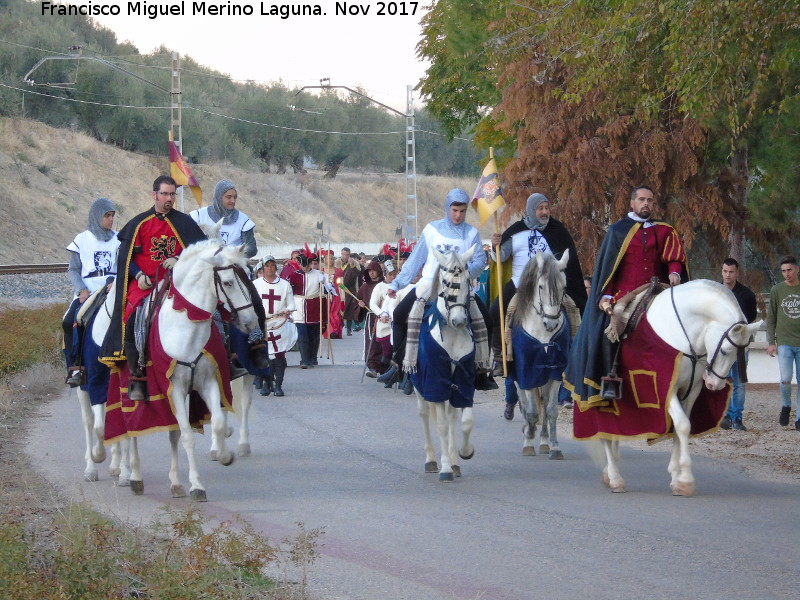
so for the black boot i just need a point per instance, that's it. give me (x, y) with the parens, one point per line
(137, 382)
(266, 387)
(389, 375)
(258, 355)
(76, 376)
(406, 386)
(236, 370)
(280, 369)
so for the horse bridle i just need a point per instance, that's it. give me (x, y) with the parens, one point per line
(241, 277)
(540, 310)
(451, 285)
(695, 358)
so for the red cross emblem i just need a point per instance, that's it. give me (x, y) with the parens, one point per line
(272, 297)
(274, 339)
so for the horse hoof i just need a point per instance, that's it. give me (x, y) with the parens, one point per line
(528, 451)
(467, 456)
(544, 449)
(619, 490)
(683, 489)
(177, 491)
(137, 487)
(227, 458)
(556, 455)
(446, 477)
(212, 455)
(122, 482)
(456, 470)
(606, 480)
(244, 449)
(90, 476)
(199, 495)
(431, 467)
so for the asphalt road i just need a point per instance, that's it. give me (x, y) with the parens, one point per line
(347, 457)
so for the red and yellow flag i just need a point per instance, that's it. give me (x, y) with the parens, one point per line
(181, 172)
(488, 196)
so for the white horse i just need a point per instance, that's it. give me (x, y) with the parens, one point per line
(541, 340)
(702, 320)
(206, 273)
(454, 335)
(94, 415)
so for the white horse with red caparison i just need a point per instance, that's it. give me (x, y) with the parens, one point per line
(206, 273)
(700, 318)
(94, 415)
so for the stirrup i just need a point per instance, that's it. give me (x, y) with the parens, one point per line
(76, 377)
(137, 388)
(611, 387)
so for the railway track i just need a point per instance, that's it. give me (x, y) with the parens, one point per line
(32, 269)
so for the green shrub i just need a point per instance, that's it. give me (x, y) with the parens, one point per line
(28, 336)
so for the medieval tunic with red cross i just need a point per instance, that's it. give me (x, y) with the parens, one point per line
(278, 298)
(653, 250)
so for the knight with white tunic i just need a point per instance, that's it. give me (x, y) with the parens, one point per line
(278, 301)
(237, 228)
(92, 263)
(451, 233)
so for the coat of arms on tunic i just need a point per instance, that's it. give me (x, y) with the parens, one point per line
(102, 261)
(162, 248)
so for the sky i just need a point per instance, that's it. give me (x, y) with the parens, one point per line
(374, 51)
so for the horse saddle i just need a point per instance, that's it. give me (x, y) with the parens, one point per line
(629, 309)
(90, 306)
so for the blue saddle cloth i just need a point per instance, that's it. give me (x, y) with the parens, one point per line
(97, 374)
(436, 379)
(535, 363)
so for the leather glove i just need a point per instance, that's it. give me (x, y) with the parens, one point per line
(143, 281)
(169, 263)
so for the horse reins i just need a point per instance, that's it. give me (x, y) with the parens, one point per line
(454, 285)
(240, 275)
(695, 358)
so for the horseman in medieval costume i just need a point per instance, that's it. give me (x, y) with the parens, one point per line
(92, 264)
(536, 232)
(450, 233)
(237, 229)
(150, 244)
(635, 249)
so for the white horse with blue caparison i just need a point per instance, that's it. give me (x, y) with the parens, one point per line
(94, 415)
(206, 274)
(702, 320)
(540, 341)
(448, 326)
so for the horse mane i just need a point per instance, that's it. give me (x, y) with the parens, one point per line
(530, 277)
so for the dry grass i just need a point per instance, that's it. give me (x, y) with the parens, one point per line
(51, 176)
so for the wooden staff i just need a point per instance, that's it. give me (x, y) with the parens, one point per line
(349, 293)
(328, 297)
(321, 290)
(500, 297)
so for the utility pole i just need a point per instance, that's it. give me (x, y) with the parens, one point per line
(411, 167)
(175, 110)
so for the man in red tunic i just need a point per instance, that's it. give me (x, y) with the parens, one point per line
(635, 249)
(149, 245)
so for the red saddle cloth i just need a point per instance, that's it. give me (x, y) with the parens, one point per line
(649, 372)
(136, 418)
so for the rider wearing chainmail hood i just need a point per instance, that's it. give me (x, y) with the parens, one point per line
(536, 232)
(92, 263)
(452, 232)
(236, 228)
